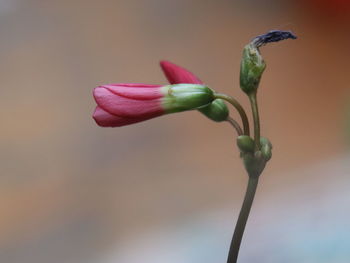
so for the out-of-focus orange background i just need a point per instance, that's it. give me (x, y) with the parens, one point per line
(170, 189)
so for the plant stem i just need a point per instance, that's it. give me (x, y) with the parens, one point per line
(255, 111)
(238, 107)
(242, 219)
(235, 125)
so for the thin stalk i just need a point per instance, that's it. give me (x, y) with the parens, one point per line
(235, 125)
(242, 220)
(255, 111)
(238, 107)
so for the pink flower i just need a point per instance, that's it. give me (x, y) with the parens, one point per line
(122, 104)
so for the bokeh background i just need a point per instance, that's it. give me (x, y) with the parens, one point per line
(170, 189)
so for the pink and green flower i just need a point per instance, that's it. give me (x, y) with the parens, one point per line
(122, 104)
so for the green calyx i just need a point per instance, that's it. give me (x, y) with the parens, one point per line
(216, 111)
(183, 97)
(254, 160)
(252, 68)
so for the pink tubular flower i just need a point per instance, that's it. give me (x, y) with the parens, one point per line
(123, 104)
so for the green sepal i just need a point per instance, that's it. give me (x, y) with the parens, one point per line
(216, 111)
(182, 97)
(252, 68)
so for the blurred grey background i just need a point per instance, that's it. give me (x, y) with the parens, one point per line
(170, 189)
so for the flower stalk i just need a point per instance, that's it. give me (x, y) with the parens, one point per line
(238, 107)
(242, 219)
(235, 125)
(256, 119)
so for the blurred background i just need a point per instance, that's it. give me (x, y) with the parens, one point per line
(170, 189)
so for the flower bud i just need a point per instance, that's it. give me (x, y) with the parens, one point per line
(245, 144)
(216, 111)
(252, 64)
(182, 97)
(266, 148)
(127, 103)
(252, 68)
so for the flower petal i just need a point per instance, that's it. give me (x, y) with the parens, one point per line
(126, 107)
(135, 85)
(105, 119)
(136, 92)
(176, 74)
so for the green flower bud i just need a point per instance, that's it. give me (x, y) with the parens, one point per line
(266, 148)
(245, 144)
(216, 111)
(252, 68)
(265, 141)
(252, 64)
(182, 97)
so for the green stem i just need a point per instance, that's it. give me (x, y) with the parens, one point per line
(235, 125)
(255, 111)
(242, 220)
(238, 107)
